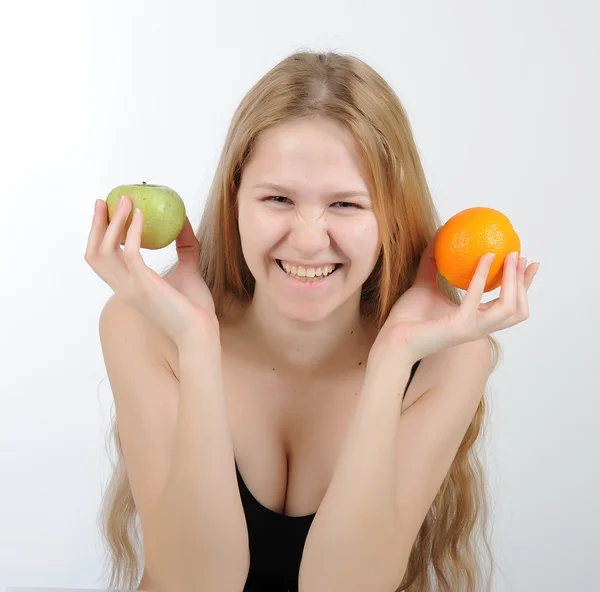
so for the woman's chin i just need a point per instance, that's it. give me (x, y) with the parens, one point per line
(305, 312)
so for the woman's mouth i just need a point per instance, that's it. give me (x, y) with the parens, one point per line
(308, 275)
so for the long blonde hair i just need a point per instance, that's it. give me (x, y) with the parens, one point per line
(446, 553)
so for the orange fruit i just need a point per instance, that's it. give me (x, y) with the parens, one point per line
(466, 237)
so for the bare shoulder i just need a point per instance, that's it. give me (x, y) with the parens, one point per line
(436, 370)
(472, 357)
(120, 321)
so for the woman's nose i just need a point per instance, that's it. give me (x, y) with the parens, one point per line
(309, 235)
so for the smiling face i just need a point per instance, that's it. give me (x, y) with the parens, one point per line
(307, 227)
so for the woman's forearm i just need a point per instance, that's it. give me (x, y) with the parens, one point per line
(355, 542)
(198, 531)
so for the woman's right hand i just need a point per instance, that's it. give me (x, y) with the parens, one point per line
(182, 312)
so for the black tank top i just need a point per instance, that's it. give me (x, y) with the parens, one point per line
(276, 541)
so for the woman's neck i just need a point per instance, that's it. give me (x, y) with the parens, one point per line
(298, 347)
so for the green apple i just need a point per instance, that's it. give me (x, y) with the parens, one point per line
(162, 208)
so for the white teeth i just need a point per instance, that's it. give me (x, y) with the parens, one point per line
(309, 272)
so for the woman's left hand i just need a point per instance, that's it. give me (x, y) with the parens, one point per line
(423, 321)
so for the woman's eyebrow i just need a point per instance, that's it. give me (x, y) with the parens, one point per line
(335, 195)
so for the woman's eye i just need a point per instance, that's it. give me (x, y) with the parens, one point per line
(277, 199)
(344, 205)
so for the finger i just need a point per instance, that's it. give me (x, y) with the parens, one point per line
(506, 306)
(522, 303)
(476, 288)
(530, 273)
(427, 270)
(521, 312)
(96, 235)
(140, 275)
(509, 289)
(187, 245)
(131, 250)
(114, 232)
(110, 249)
(106, 265)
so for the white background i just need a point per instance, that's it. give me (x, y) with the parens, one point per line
(503, 97)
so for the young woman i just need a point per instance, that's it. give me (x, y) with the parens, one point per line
(297, 398)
